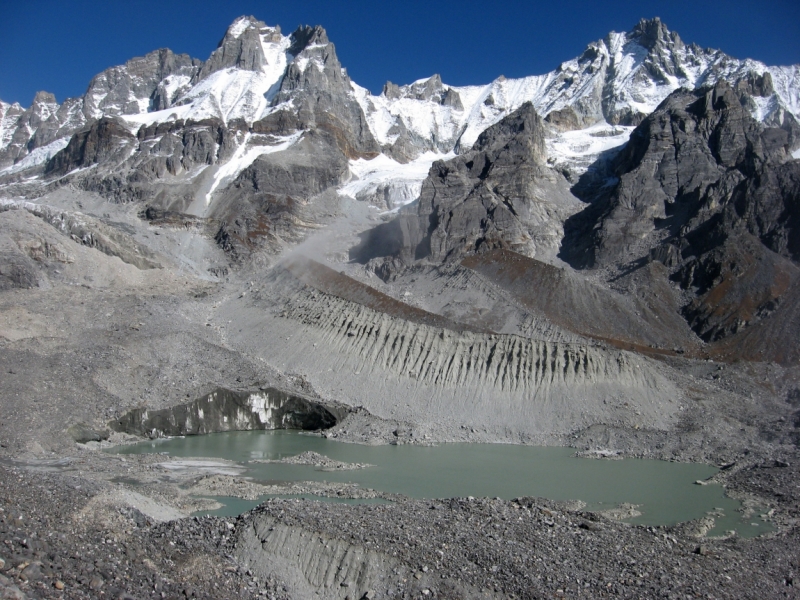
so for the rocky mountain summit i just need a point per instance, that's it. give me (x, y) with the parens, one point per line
(186, 130)
(711, 194)
(500, 194)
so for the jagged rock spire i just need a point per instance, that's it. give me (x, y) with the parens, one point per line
(653, 33)
(240, 48)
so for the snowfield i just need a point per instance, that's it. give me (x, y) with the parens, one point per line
(398, 184)
(579, 149)
(37, 157)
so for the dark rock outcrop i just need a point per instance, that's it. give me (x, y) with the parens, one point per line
(769, 204)
(681, 166)
(177, 146)
(227, 410)
(501, 194)
(240, 48)
(104, 140)
(320, 92)
(713, 195)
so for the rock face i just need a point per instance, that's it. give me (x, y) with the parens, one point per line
(105, 141)
(9, 121)
(240, 48)
(625, 91)
(681, 167)
(319, 88)
(281, 197)
(404, 141)
(226, 410)
(429, 90)
(713, 195)
(769, 207)
(21, 127)
(702, 188)
(138, 85)
(501, 194)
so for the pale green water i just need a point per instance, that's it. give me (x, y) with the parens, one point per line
(666, 491)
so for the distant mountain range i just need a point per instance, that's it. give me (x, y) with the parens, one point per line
(260, 82)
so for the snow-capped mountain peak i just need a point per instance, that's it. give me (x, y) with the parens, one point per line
(240, 25)
(612, 85)
(241, 48)
(289, 83)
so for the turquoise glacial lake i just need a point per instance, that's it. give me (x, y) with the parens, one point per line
(664, 491)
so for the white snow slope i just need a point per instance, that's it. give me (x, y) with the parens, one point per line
(618, 63)
(386, 182)
(37, 157)
(230, 93)
(580, 84)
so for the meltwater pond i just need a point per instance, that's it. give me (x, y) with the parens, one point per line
(665, 491)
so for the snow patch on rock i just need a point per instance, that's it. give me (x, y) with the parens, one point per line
(387, 183)
(247, 152)
(227, 94)
(37, 157)
(579, 149)
(239, 26)
(786, 82)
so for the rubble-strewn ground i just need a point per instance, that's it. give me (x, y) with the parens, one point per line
(62, 538)
(97, 336)
(531, 548)
(66, 536)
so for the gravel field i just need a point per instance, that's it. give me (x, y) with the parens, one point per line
(98, 337)
(61, 537)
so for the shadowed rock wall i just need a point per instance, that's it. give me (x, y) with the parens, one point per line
(226, 410)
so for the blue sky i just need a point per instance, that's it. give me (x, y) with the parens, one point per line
(58, 46)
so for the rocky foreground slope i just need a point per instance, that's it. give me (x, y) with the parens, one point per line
(605, 257)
